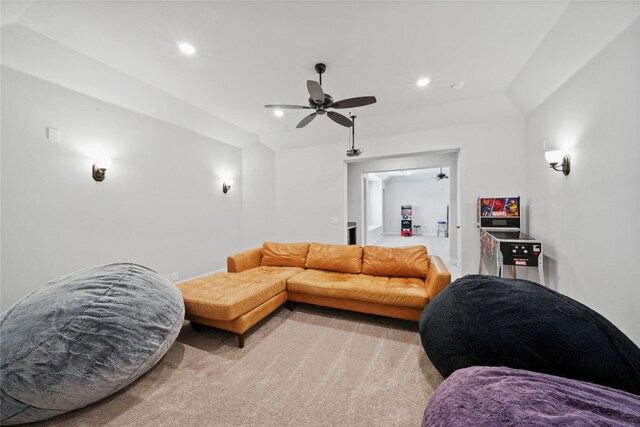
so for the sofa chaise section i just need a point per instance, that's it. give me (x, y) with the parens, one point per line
(236, 301)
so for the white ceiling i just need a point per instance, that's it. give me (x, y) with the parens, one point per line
(254, 53)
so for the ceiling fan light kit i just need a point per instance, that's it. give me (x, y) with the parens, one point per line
(321, 102)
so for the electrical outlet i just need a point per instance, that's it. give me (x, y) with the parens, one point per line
(333, 220)
(174, 277)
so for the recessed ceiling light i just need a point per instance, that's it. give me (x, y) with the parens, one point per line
(186, 48)
(422, 82)
(278, 113)
(457, 85)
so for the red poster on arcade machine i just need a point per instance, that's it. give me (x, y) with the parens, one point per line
(406, 215)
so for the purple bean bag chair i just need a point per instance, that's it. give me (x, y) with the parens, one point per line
(489, 321)
(487, 396)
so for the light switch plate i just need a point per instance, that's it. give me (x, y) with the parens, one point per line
(53, 134)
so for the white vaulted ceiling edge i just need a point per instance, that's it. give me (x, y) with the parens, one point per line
(583, 30)
(254, 53)
(507, 53)
(27, 51)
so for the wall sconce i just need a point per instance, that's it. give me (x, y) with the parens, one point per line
(226, 186)
(558, 161)
(100, 168)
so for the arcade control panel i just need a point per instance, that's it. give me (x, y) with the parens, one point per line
(521, 253)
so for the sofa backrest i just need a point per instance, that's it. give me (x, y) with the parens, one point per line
(341, 258)
(284, 254)
(410, 261)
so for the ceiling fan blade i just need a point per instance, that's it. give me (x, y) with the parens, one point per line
(306, 120)
(360, 101)
(286, 107)
(315, 91)
(340, 119)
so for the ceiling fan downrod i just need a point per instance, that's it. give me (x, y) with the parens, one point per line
(353, 131)
(353, 151)
(320, 68)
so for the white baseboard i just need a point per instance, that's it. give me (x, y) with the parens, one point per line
(371, 243)
(220, 270)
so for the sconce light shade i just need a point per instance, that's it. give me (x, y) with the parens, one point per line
(553, 156)
(100, 168)
(226, 186)
(558, 161)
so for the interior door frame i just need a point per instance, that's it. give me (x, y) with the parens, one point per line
(364, 205)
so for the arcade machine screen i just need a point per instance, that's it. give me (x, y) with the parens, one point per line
(497, 207)
(498, 212)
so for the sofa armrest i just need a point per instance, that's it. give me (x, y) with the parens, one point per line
(438, 277)
(244, 260)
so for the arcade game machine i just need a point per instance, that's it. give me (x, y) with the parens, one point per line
(501, 241)
(405, 226)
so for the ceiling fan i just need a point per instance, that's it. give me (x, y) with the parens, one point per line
(321, 101)
(441, 176)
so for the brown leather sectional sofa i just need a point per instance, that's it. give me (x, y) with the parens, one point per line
(393, 282)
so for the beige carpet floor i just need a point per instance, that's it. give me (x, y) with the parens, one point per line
(309, 367)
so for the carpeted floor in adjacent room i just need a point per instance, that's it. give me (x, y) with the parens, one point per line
(313, 366)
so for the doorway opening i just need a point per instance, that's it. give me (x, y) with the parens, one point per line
(378, 188)
(408, 207)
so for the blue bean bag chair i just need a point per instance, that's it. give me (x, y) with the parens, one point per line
(487, 396)
(489, 321)
(82, 337)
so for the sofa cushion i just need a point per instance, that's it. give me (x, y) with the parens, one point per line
(398, 291)
(490, 321)
(284, 254)
(342, 258)
(411, 261)
(225, 296)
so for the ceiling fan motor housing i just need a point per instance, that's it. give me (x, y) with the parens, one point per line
(328, 102)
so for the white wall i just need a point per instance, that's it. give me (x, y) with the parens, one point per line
(161, 204)
(428, 198)
(588, 220)
(490, 161)
(258, 195)
(310, 194)
(374, 208)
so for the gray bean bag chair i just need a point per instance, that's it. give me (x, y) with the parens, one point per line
(489, 321)
(82, 337)
(487, 396)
